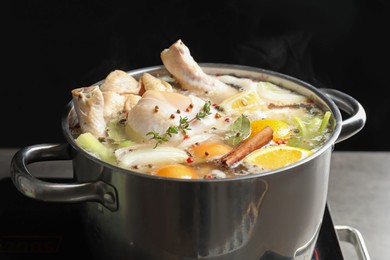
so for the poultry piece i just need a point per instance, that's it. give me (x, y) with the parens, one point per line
(130, 102)
(119, 90)
(150, 82)
(157, 110)
(178, 61)
(89, 107)
(114, 104)
(120, 82)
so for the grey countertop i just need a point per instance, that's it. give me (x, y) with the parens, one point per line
(359, 194)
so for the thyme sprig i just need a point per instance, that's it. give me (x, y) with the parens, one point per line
(205, 111)
(182, 127)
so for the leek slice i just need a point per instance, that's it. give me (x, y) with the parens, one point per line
(116, 131)
(92, 145)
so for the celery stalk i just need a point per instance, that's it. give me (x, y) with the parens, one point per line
(125, 143)
(301, 126)
(325, 121)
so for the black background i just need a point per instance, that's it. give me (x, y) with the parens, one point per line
(52, 47)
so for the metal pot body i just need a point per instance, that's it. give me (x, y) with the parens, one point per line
(128, 215)
(277, 215)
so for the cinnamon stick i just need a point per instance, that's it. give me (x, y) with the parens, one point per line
(257, 141)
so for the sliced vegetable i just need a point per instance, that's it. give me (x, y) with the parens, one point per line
(310, 132)
(149, 156)
(325, 121)
(91, 144)
(116, 131)
(125, 143)
(279, 95)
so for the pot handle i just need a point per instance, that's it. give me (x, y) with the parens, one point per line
(32, 187)
(351, 106)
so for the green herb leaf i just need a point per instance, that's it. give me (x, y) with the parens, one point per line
(238, 131)
(184, 125)
(205, 110)
(172, 130)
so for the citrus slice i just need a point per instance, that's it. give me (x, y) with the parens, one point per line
(206, 151)
(246, 100)
(276, 156)
(281, 129)
(176, 171)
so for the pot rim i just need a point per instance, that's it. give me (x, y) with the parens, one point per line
(336, 115)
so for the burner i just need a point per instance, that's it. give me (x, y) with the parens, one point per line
(315, 255)
(54, 230)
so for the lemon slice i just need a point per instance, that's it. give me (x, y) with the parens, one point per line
(246, 100)
(276, 156)
(281, 129)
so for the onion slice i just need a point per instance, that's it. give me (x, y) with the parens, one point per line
(278, 95)
(141, 157)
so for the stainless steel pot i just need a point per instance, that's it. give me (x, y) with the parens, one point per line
(128, 215)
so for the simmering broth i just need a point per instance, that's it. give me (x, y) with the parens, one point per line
(195, 125)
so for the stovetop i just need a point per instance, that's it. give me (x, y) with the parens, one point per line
(30, 228)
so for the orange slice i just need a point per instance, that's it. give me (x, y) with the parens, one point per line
(281, 129)
(176, 171)
(276, 156)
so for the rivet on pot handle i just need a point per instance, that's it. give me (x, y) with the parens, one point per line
(38, 189)
(351, 106)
